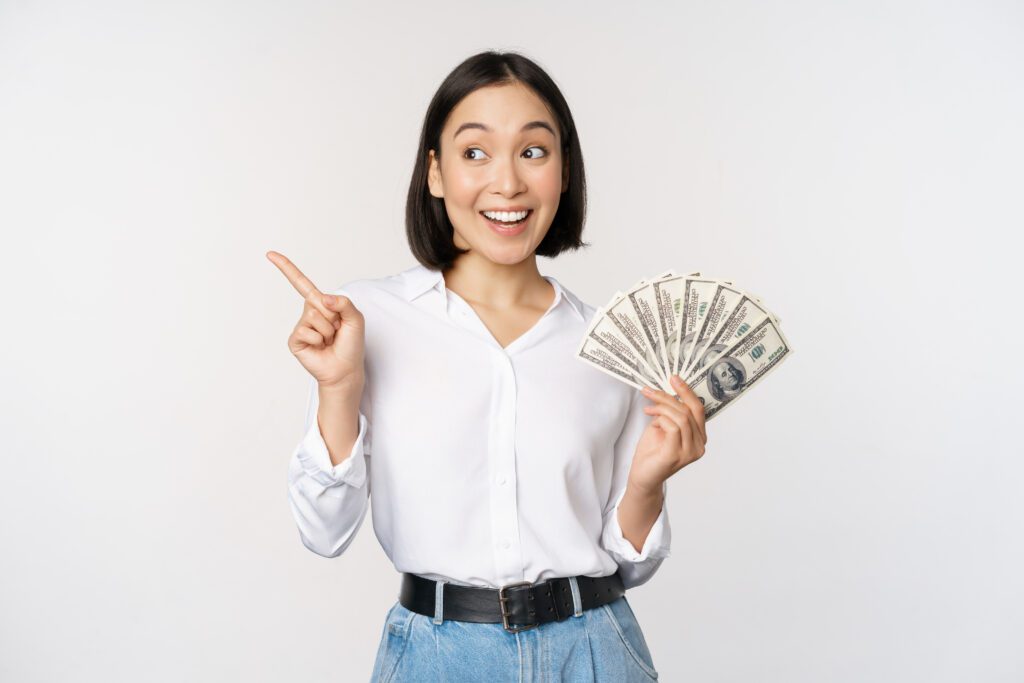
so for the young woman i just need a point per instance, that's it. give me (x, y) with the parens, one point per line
(519, 491)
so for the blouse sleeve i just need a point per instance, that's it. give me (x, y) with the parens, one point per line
(328, 501)
(636, 568)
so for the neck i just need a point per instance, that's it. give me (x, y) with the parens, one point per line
(497, 285)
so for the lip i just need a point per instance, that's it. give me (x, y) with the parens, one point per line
(510, 208)
(508, 232)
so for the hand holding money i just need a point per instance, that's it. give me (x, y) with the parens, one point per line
(720, 339)
(672, 440)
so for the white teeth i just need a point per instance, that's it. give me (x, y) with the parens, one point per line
(506, 216)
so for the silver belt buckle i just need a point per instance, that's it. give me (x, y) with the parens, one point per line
(502, 599)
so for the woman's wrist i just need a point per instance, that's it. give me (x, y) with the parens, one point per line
(350, 387)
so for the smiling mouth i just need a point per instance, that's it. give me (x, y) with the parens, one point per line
(509, 224)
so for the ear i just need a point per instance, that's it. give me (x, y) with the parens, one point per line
(434, 177)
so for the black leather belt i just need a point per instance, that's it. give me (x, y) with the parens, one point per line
(517, 606)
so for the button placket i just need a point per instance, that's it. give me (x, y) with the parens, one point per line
(504, 510)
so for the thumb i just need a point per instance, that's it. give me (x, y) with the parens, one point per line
(331, 303)
(340, 304)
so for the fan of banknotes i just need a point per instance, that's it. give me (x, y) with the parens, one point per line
(719, 338)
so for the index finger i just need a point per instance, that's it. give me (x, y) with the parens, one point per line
(302, 284)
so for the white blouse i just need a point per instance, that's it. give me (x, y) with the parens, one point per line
(483, 465)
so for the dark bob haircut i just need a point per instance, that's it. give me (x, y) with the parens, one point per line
(427, 227)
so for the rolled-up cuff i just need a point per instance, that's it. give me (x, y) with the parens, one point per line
(315, 459)
(658, 542)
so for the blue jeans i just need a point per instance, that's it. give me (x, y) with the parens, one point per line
(599, 644)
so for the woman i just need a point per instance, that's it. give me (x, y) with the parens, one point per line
(519, 491)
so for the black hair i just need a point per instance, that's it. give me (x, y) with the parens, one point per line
(427, 227)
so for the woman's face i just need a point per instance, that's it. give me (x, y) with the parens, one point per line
(495, 156)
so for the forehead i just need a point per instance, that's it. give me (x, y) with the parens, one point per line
(502, 108)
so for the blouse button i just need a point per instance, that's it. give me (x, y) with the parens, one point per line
(506, 544)
(501, 479)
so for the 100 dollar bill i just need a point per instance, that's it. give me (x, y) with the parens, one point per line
(741, 366)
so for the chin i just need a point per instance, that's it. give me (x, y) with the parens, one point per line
(506, 257)
(505, 254)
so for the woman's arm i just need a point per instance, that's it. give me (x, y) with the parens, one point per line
(638, 511)
(634, 508)
(338, 417)
(328, 484)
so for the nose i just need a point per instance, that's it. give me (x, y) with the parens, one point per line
(507, 179)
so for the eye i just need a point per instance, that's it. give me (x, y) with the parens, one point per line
(542, 148)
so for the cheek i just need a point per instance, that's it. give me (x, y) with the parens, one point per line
(462, 190)
(548, 182)
(461, 187)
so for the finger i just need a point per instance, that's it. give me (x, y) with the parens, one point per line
(695, 429)
(341, 308)
(688, 415)
(692, 437)
(692, 401)
(309, 336)
(318, 302)
(686, 433)
(678, 417)
(672, 428)
(302, 284)
(322, 325)
(668, 424)
(668, 400)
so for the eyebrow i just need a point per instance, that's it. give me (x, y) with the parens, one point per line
(529, 126)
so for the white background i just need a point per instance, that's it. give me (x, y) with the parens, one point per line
(858, 165)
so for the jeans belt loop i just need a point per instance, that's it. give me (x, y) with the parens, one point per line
(439, 602)
(577, 602)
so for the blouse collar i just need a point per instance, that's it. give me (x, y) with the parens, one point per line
(419, 279)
